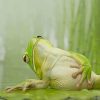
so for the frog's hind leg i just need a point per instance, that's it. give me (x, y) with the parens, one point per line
(73, 65)
(86, 74)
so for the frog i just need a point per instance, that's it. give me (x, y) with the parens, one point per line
(56, 68)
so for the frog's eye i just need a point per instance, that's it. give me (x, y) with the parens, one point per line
(39, 36)
(26, 58)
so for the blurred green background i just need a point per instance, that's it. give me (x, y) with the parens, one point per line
(69, 24)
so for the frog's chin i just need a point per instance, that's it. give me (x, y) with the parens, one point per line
(31, 65)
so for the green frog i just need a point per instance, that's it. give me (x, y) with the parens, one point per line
(56, 68)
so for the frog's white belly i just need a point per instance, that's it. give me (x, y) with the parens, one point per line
(61, 78)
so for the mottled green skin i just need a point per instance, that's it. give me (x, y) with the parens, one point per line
(55, 68)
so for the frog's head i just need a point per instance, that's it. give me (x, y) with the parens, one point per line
(28, 55)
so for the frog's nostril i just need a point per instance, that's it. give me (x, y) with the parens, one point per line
(39, 36)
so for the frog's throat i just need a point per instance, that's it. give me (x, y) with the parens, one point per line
(37, 69)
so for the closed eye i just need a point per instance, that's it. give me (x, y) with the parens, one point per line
(39, 36)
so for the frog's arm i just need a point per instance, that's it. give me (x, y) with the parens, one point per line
(29, 84)
(85, 68)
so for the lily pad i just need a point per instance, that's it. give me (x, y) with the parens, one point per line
(51, 94)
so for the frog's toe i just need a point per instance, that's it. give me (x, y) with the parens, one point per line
(84, 75)
(24, 88)
(27, 87)
(12, 88)
(74, 75)
(89, 82)
(90, 85)
(9, 90)
(89, 76)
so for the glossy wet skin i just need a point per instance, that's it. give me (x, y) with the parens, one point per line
(32, 45)
(55, 67)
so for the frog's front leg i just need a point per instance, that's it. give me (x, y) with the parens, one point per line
(29, 84)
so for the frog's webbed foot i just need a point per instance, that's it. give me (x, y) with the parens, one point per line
(12, 88)
(85, 71)
(28, 84)
(23, 86)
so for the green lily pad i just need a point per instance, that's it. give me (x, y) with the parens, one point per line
(51, 94)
